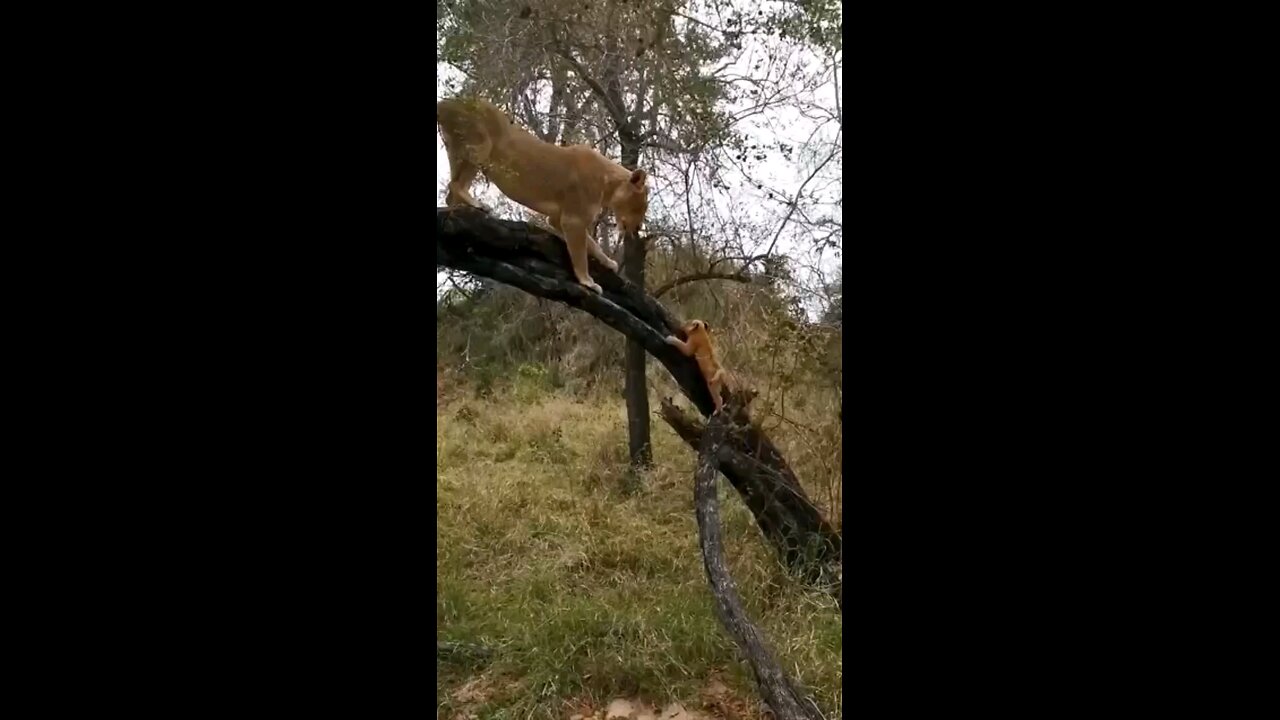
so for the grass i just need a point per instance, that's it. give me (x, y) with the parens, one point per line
(586, 591)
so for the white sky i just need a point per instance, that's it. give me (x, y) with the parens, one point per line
(785, 123)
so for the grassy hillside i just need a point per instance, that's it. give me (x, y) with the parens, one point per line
(585, 587)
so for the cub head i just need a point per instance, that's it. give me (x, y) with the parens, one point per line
(630, 202)
(694, 327)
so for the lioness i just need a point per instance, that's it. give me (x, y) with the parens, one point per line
(570, 185)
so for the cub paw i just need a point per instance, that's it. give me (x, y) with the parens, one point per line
(592, 286)
(611, 264)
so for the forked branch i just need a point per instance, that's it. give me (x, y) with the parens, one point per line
(776, 689)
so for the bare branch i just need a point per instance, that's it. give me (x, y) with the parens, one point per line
(746, 260)
(835, 150)
(696, 21)
(695, 277)
(615, 110)
(667, 145)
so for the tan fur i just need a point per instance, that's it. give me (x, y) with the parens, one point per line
(570, 185)
(697, 344)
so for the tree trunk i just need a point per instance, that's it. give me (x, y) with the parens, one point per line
(610, 96)
(637, 387)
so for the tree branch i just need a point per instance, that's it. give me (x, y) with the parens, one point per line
(695, 277)
(615, 110)
(667, 145)
(835, 150)
(746, 260)
(537, 262)
(775, 687)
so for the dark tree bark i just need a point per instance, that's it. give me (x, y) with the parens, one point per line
(634, 257)
(776, 689)
(536, 261)
(805, 541)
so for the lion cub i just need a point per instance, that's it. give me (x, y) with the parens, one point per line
(570, 185)
(698, 346)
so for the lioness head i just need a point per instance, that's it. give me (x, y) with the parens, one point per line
(630, 202)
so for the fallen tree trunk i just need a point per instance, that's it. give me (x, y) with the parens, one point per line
(776, 688)
(803, 538)
(537, 262)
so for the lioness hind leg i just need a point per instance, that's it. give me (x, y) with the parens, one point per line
(714, 384)
(464, 164)
(461, 174)
(576, 237)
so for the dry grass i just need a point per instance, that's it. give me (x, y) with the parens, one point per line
(584, 590)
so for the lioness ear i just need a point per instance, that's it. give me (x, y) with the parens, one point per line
(706, 325)
(637, 177)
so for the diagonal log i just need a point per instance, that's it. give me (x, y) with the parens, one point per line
(785, 700)
(794, 526)
(537, 262)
